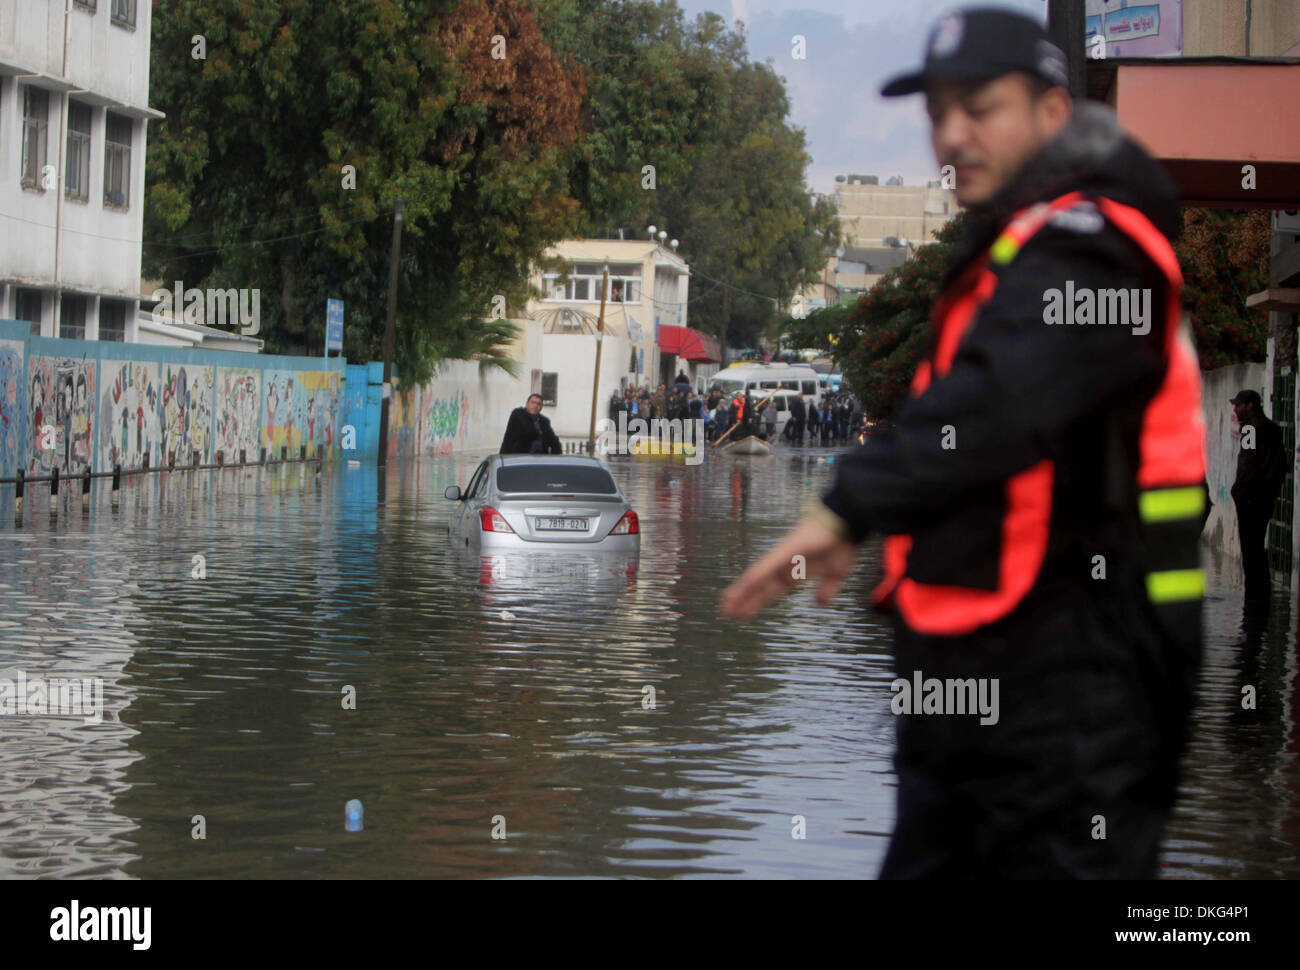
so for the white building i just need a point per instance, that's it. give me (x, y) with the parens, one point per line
(645, 332)
(74, 89)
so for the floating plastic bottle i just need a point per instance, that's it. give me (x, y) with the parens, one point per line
(353, 813)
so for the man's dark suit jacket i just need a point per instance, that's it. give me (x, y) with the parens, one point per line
(523, 433)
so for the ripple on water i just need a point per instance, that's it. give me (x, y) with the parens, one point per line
(594, 706)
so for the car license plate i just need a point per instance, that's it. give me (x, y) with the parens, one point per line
(561, 525)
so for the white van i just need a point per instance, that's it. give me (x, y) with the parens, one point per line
(760, 380)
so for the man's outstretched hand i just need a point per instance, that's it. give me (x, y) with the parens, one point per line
(825, 556)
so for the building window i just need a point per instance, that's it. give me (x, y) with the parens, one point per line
(122, 13)
(72, 317)
(27, 306)
(76, 180)
(90, 5)
(549, 383)
(36, 112)
(112, 319)
(117, 161)
(583, 284)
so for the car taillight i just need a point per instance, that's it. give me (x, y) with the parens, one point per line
(627, 526)
(492, 520)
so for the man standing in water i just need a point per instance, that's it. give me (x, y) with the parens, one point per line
(1261, 469)
(1041, 489)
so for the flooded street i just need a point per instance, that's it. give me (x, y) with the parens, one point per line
(594, 709)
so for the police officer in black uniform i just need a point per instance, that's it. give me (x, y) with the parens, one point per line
(1041, 489)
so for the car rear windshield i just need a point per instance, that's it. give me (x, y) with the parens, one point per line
(561, 479)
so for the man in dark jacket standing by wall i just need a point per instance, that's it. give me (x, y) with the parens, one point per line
(1041, 489)
(1261, 469)
(528, 432)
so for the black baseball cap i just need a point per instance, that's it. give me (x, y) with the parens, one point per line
(982, 43)
(1246, 396)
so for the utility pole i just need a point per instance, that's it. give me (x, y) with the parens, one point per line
(726, 321)
(388, 335)
(595, 381)
(1065, 25)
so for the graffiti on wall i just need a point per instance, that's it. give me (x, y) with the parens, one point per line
(238, 415)
(301, 408)
(446, 423)
(61, 405)
(128, 414)
(13, 406)
(186, 413)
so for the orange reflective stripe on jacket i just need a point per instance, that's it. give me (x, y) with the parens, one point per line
(1172, 441)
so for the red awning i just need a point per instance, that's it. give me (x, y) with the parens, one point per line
(689, 344)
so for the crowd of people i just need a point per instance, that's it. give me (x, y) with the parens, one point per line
(678, 401)
(834, 418)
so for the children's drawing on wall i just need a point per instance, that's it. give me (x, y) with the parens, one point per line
(238, 411)
(285, 412)
(61, 401)
(13, 409)
(301, 409)
(128, 414)
(187, 414)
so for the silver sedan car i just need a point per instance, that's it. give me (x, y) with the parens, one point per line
(532, 501)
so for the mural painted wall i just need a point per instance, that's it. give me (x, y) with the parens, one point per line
(324, 390)
(301, 409)
(239, 400)
(61, 397)
(128, 414)
(186, 413)
(101, 409)
(13, 407)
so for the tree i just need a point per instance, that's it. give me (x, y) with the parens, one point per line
(728, 167)
(247, 179)
(1224, 257)
(821, 330)
(888, 332)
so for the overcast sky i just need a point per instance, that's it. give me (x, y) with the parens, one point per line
(853, 46)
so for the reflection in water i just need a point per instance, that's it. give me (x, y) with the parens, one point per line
(594, 706)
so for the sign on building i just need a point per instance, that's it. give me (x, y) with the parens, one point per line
(333, 325)
(1150, 29)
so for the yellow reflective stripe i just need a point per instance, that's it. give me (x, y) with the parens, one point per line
(1175, 584)
(1005, 249)
(1164, 504)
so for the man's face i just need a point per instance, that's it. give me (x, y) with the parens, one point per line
(988, 130)
(534, 405)
(1242, 411)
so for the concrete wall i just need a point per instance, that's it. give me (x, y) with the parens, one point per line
(572, 357)
(1222, 437)
(79, 403)
(110, 403)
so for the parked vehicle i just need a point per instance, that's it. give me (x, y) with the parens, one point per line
(540, 501)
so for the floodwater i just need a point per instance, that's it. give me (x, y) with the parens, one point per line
(513, 716)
